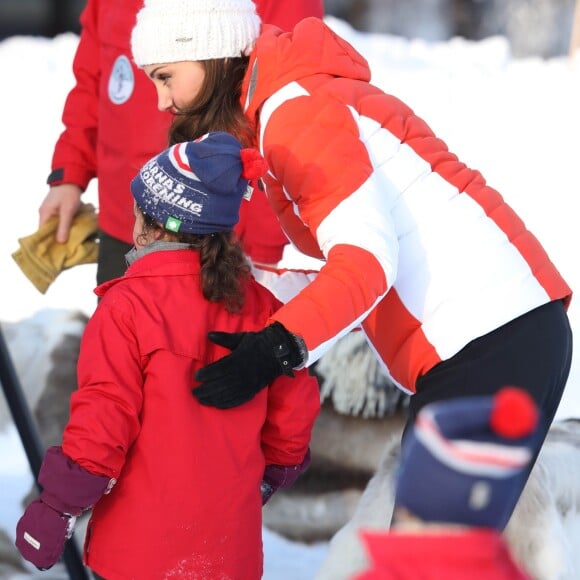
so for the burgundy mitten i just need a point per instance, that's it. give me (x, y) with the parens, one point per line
(277, 476)
(68, 490)
(41, 533)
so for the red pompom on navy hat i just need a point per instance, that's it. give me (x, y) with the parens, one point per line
(463, 458)
(197, 187)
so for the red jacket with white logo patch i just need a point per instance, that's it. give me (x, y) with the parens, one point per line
(417, 247)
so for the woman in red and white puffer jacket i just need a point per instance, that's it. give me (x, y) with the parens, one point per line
(454, 294)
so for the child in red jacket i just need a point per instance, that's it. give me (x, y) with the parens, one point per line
(177, 487)
(112, 127)
(459, 461)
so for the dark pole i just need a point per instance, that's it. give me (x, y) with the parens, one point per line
(32, 445)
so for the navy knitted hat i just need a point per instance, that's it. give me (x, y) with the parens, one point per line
(197, 187)
(464, 459)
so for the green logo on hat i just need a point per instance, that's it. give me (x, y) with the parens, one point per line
(172, 224)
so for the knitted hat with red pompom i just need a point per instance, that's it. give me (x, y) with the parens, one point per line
(197, 187)
(464, 458)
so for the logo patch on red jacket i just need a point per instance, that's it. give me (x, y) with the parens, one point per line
(121, 81)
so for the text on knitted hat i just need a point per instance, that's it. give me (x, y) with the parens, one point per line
(162, 186)
(197, 186)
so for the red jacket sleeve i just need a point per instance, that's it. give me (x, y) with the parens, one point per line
(105, 410)
(74, 158)
(293, 405)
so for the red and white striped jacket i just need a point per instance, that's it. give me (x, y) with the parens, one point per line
(417, 247)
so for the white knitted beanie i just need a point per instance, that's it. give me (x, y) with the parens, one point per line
(185, 30)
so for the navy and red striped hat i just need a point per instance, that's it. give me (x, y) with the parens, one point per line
(197, 186)
(464, 459)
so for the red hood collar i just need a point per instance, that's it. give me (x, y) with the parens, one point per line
(282, 57)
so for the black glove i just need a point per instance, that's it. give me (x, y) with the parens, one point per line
(257, 358)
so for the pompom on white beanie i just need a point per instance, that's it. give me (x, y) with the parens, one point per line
(185, 30)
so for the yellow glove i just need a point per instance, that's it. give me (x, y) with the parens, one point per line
(42, 258)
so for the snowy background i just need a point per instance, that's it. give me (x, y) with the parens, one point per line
(517, 120)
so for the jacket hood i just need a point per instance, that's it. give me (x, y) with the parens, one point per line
(282, 57)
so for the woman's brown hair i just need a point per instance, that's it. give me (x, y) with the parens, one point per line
(224, 266)
(217, 106)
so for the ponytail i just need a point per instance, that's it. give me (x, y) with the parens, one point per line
(224, 266)
(224, 269)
